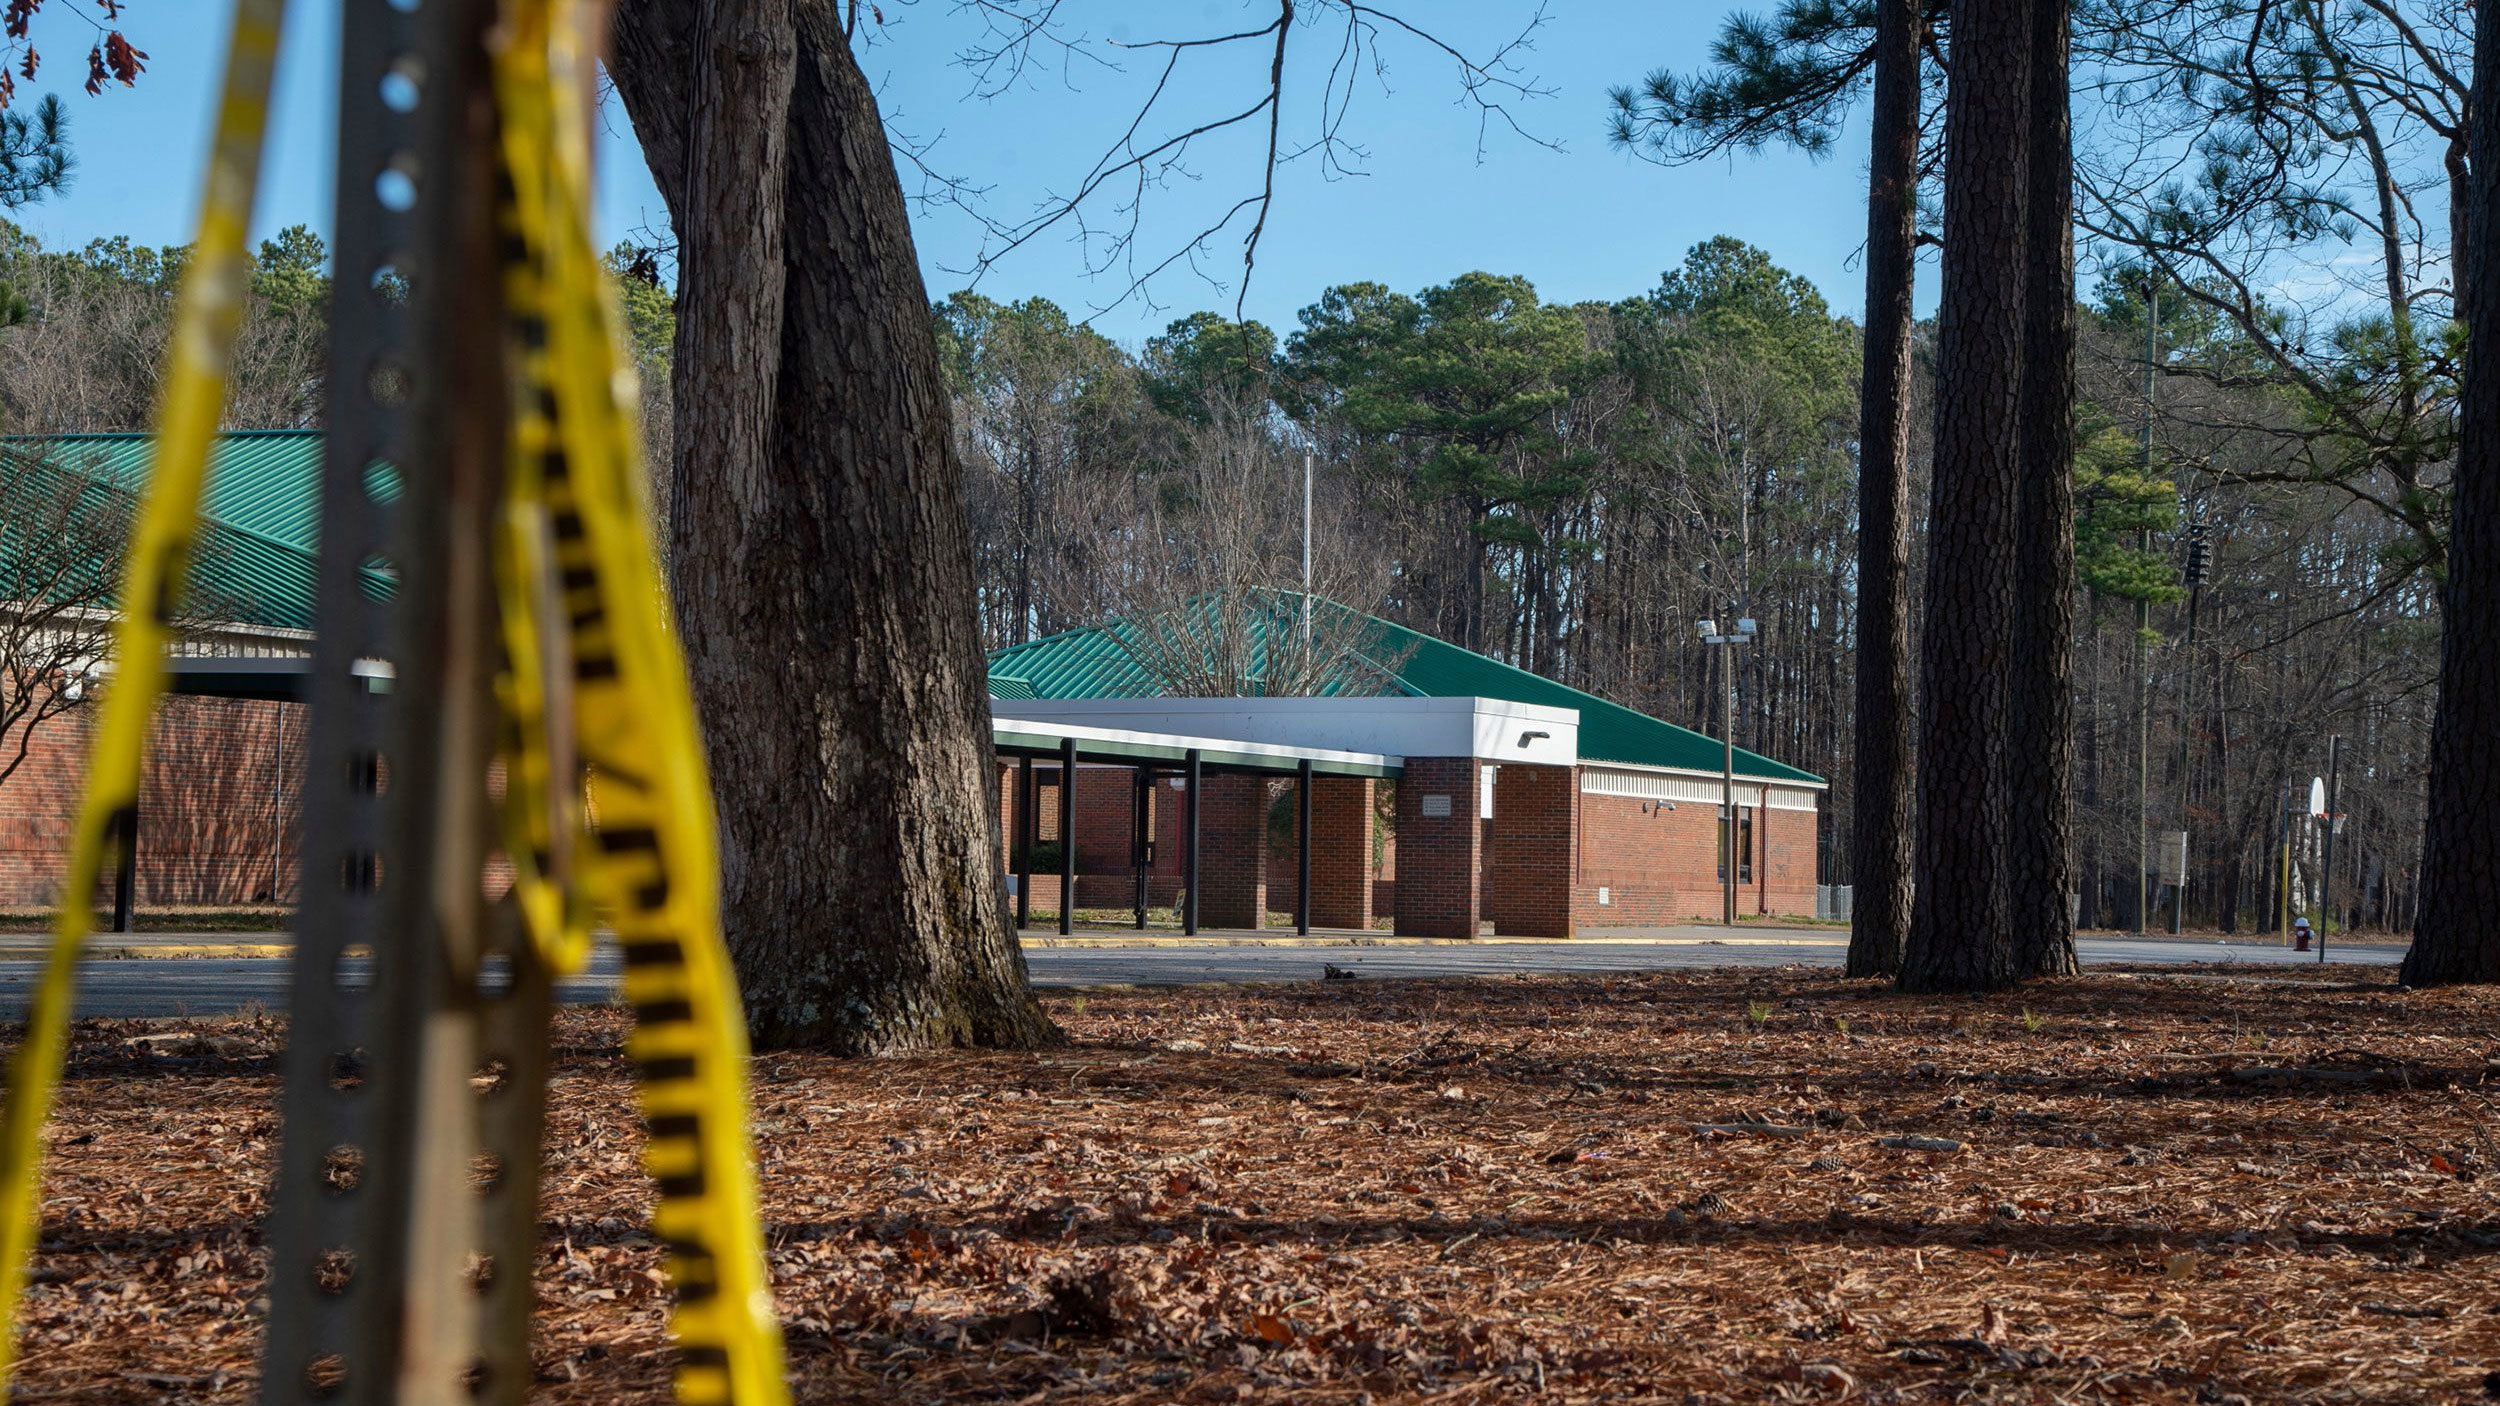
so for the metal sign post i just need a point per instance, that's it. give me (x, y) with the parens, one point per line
(405, 1216)
(2326, 855)
(492, 638)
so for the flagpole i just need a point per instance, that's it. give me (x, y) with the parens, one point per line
(1306, 554)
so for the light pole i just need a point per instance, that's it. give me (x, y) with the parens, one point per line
(2144, 625)
(1743, 634)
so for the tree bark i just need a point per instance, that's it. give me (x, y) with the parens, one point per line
(820, 557)
(2040, 741)
(1881, 817)
(2456, 934)
(1959, 940)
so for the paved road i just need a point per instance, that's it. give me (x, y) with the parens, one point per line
(147, 986)
(1061, 966)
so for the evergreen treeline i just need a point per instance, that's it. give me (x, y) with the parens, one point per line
(1571, 488)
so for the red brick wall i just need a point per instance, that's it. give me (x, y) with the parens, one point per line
(1045, 811)
(1529, 859)
(1658, 868)
(1105, 800)
(1106, 809)
(1232, 857)
(1385, 872)
(1438, 888)
(1341, 852)
(1245, 871)
(1663, 866)
(219, 805)
(1484, 874)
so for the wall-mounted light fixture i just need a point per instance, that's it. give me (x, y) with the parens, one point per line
(1527, 737)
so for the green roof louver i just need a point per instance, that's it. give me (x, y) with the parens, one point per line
(1091, 663)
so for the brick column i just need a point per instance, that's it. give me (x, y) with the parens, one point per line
(1232, 865)
(1535, 834)
(1006, 816)
(1439, 854)
(1341, 852)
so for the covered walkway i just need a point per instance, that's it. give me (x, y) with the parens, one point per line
(1222, 882)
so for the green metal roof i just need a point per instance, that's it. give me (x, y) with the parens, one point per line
(265, 482)
(1091, 663)
(259, 545)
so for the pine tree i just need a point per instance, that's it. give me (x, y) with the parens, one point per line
(1881, 834)
(2456, 938)
(1959, 922)
(1791, 81)
(2040, 747)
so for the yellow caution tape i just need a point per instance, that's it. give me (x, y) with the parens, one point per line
(206, 321)
(650, 867)
(545, 822)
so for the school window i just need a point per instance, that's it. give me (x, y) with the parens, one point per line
(1744, 846)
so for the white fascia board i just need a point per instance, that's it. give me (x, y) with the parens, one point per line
(1743, 777)
(1485, 728)
(1170, 746)
(1525, 732)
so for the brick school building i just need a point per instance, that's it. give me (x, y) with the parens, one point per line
(1453, 797)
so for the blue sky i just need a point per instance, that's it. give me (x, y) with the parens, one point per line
(1581, 222)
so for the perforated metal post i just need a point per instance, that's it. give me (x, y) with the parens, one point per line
(404, 1216)
(337, 1215)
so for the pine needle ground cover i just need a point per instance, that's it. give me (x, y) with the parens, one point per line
(1700, 1187)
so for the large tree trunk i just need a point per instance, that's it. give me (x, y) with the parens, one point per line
(819, 552)
(2040, 740)
(2456, 935)
(1958, 933)
(1880, 814)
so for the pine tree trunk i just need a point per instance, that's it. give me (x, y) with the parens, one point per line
(2089, 909)
(2040, 740)
(820, 556)
(2456, 933)
(1880, 813)
(1959, 940)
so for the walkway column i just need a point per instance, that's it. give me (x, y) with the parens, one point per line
(1028, 797)
(1067, 836)
(126, 867)
(1141, 837)
(1339, 860)
(1440, 847)
(1535, 836)
(1302, 847)
(1232, 865)
(1189, 848)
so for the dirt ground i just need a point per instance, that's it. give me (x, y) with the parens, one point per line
(1684, 1187)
